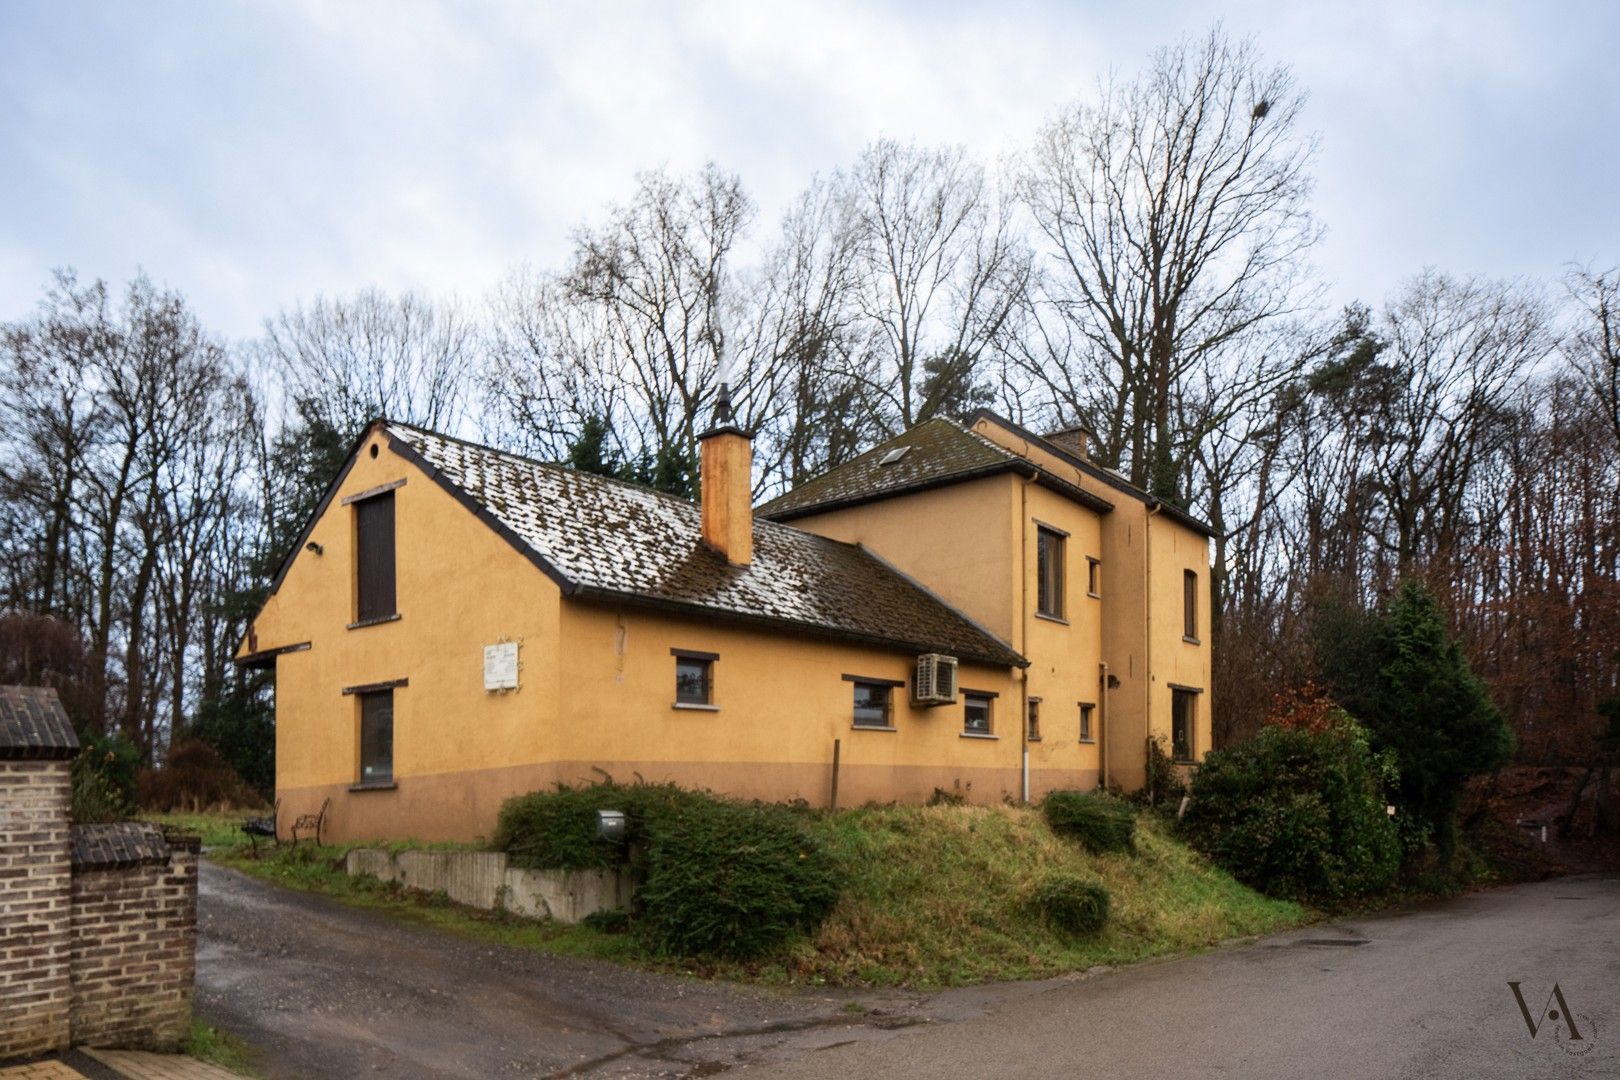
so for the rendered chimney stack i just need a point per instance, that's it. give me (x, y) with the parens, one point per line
(727, 484)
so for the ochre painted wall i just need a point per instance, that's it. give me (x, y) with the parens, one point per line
(948, 539)
(459, 587)
(1143, 556)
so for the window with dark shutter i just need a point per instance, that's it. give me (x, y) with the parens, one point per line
(1189, 605)
(1049, 573)
(377, 737)
(374, 557)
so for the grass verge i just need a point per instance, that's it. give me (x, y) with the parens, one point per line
(934, 896)
(219, 1048)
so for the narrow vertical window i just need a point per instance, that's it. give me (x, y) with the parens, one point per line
(1032, 721)
(1086, 711)
(975, 713)
(1093, 577)
(1049, 572)
(1189, 605)
(694, 677)
(377, 737)
(1183, 714)
(374, 558)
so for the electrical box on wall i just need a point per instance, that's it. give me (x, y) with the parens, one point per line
(501, 666)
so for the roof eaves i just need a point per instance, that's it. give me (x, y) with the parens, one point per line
(1096, 471)
(1020, 661)
(816, 631)
(405, 450)
(1013, 464)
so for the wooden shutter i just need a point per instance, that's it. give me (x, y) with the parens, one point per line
(374, 566)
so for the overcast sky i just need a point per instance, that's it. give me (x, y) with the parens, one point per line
(255, 154)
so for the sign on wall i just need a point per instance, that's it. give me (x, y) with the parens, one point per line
(501, 666)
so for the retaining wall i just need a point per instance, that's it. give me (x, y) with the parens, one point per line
(483, 879)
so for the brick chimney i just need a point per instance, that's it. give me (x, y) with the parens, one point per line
(1076, 440)
(726, 481)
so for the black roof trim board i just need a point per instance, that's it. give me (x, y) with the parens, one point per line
(983, 629)
(479, 510)
(265, 658)
(1095, 471)
(862, 499)
(792, 628)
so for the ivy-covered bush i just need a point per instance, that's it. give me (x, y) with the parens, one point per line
(1070, 904)
(1100, 822)
(719, 877)
(1298, 813)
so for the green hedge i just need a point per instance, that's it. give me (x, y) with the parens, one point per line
(719, 877)
(1100, 822)
(1070, 904)
(1298, 814)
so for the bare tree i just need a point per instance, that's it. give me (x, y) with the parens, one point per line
(940, 270)
(352, 360)
(1175, 224)
(1593, 345)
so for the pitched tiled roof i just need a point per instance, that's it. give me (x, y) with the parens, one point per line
(936, 452)
(123, 843)
(605, 539)
(33, 724)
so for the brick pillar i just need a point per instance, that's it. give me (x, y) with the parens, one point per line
(36, 885)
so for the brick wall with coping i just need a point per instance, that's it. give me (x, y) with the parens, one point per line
(134, 936)
(35, 892)
(98, 923)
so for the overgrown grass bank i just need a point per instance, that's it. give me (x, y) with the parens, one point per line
(942, 896)
(933, 896)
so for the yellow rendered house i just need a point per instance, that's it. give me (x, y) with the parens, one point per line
(974, 609)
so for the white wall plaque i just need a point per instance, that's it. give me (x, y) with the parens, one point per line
(501, 666)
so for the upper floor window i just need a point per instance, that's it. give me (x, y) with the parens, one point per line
(694, 677)
(1093, 577)
(374, 558)
(1049, 572)
(975, 713)
(1183, 720)
(1189, 605)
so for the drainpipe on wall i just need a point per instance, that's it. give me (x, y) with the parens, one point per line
(1147, 629)
(1023, 623)
(1102, 724)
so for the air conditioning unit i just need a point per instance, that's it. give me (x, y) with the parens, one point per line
(935, 683)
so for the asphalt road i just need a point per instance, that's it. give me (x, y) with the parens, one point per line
(330, 991)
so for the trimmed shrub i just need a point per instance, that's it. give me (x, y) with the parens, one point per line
(556, 830)
(1070, 904)
(732, 879)
(1298, 813)
(1100, 822)
(719, 877)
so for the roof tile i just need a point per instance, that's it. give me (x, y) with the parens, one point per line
(612, 540)
(33, 724)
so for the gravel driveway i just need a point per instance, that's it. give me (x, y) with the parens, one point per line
(327, 990)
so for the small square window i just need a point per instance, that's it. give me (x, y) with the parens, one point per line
(694, 679)
(1086, 711)
(1093, 577)
(872, 704)
(975, 713)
